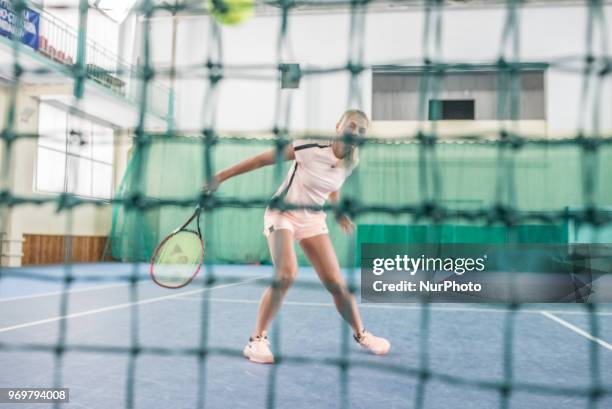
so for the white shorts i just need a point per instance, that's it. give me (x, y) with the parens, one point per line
(300, 227)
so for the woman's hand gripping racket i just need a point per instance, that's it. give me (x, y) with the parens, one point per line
(177, 258)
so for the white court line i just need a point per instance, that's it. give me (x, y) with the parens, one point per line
(577, 330)
(124, 305)
(77, 290)
(392, 307)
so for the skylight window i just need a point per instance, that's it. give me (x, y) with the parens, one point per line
(115, 9)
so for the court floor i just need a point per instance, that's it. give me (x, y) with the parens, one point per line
(555, 356)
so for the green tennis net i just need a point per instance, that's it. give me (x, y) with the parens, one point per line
(421, 177)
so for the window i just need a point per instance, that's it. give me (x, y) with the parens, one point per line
(450, 109)
(74, 155)
(480, 94)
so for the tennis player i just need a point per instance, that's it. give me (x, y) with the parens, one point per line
(318, 172)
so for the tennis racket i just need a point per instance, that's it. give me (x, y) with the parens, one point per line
(177, 258)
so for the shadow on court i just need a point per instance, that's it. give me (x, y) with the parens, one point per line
(460, 355)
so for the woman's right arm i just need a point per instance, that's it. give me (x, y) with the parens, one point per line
(255, 162)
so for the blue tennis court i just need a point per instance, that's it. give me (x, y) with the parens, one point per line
(455, 356)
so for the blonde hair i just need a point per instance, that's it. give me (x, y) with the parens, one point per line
(353, 160)
(350, 112)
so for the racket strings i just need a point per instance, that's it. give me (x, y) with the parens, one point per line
(177, 260)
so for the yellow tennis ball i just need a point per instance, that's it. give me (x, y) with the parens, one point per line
(231, 12)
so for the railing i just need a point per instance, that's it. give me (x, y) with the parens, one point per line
(58, 42)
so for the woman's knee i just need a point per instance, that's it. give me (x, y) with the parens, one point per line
(285, 276)
(337, 288)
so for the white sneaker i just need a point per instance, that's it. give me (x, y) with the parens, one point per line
(376, 345)
(258, 350)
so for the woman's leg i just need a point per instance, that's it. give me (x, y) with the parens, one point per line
(321, 254)
(280, 243)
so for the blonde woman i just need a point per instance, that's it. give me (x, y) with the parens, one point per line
(317, 174)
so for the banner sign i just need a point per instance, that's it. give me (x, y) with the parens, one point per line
(29, 32)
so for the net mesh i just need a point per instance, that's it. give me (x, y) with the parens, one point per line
(581, 161)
